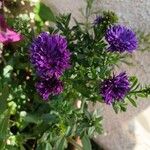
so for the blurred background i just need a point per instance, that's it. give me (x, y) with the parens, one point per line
(125, 131)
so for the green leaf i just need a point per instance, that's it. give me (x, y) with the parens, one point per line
(48, 146)
(32, 118)
(123, 107)
(7, 71)
(12, 147)
(60, 26)
(3, 129)
(116, 107)
(68, 19)
(49, 118)
(41, 146)
(132, 101)
(134, 81)
(86, 143)
(91, 131)
(44, 13)
(3, 99)
(119, 106)
(61, 144)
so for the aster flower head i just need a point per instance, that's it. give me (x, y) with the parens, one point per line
(98, 20)
(115, 88)
(7, 35)
(121, 39)
(50, 87)
(49, 55)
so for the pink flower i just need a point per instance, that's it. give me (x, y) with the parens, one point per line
(1, 4)
(7, 35)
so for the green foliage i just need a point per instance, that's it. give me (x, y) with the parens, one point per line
(120, 106)
(4, 120)
(26, 121)
(43, 13)
(3, 98)
(86, 143)
(144, 40)
(137, 91)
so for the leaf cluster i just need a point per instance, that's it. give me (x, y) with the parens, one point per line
(28, 122)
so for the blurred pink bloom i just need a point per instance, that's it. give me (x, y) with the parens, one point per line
(7, 35)
(1, 5)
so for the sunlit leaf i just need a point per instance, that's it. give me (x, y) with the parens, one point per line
(44, 13)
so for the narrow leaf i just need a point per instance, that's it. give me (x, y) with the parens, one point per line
(86, 143)
(132, 101)
(3, 99)
(48, 146)
(61, 144)
(3, 129)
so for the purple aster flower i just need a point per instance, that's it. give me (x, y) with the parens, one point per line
(121, 39)
(49, 87)
(98, 20)
(115, 88)
(49, 55)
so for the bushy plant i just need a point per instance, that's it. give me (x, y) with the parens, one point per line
(48, 79)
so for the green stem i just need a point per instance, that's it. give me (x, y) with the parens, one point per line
(140, 91)
(3, 59)
(83, 104)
